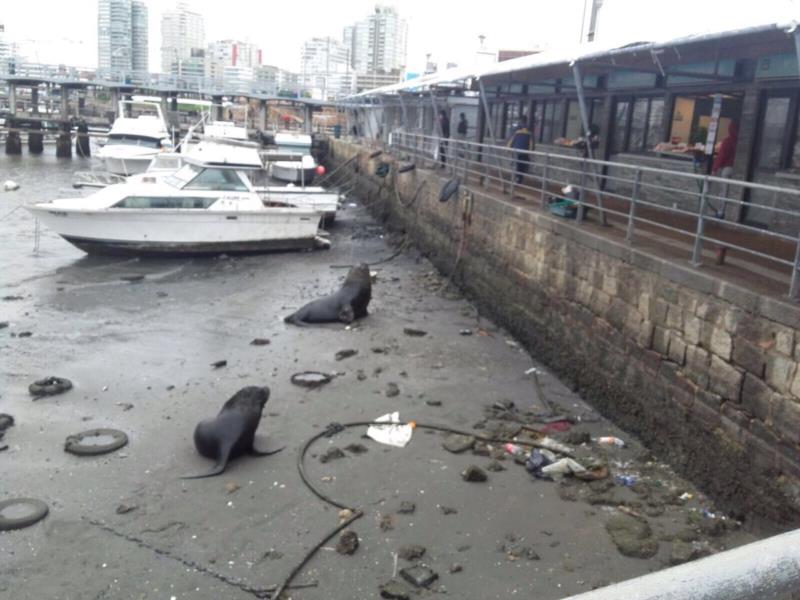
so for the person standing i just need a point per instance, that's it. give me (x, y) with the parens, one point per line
(522, 142)
(461, 131)
(722, 166)
(444, 130)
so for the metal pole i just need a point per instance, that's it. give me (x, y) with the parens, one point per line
(697, 258)
(581, 193)
(637, 180)
(490, 125)
(403, 109)
(544, 180)
(765, 570)
(793, 285)
(589, 150)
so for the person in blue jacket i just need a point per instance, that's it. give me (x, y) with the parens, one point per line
(521, 141)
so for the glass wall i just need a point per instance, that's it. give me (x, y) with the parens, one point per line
(637, 124)
(779, 139)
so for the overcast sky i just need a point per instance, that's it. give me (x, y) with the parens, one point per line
(59, 31)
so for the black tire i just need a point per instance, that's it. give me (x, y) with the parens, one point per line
(39, 511)
(406, 167)
(311, 379)
(376, 154)
(73, 443)
(50, 386)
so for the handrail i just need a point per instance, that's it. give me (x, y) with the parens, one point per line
(628, 189)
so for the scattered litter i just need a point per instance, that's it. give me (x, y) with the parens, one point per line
(419, 575)
(556, 427)
(610, 440)
(515, 450)
(260, 342)
(455, 568)
(3, 324)
(407, 507)
(348, 542)
(433, 402)
(232, 487)
(10, 185)
(457, 443)
(124, 509)
(411, 552)
(392, 390)
(410, 331)
(537, 460)
(12, 298)
(332, 454)
(564, 466)
(386, 523)
(49, 386)
(24, 334)
(133, 278)
(512, 343)
(474, 473)
(626, 480)
(685, 496)
(495, 466)
(393, 435)
(219, 364)
(465, 332)
(342, 354)
(395, 590)
(126, 406)
(345, 514)
(311, 379)
(448, 510)
(632, 536)
(36, 511)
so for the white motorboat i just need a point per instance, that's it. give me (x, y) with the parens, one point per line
(226, 130)
(202, 208)
(134, 141)
(300, 171)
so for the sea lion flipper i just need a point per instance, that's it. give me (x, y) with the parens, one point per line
(256, 452)
(222, 462)
(347, 314)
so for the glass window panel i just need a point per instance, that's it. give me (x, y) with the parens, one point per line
(217, 179)
(573, 129)
(558, 118)
(773, 128)
(547, 122)
(597, 112)
(638, 124)
(654, 123)
(538, 117)
(795, 165)
(164, 202)
(620, 126)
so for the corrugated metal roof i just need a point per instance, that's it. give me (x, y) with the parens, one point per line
(578, 53)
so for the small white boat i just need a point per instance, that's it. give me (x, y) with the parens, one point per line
(225, 130)
(300, 171)
(134, 141)
(202, 208)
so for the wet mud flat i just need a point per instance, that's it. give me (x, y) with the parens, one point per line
(138, 340)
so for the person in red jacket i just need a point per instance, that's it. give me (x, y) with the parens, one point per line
(726, 155)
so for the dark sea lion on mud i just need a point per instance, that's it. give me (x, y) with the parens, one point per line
(345, 306)
(230, 434)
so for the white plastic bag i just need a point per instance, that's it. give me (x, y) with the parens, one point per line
(392, 435)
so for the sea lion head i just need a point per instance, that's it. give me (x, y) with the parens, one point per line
(250, 398)
(359, 275)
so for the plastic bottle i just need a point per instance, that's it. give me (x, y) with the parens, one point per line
(610, 440)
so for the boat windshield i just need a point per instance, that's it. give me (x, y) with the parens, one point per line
(117, 139)
(294, 148)
(193, 177)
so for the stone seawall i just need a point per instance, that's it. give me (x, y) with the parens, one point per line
(705, 372)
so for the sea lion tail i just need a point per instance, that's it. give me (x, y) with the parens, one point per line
(218, 468)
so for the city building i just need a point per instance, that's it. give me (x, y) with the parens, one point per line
(122, 35)
(114, 35)
(182, 30)
(378, 44)
(325, 68)
(232, 55)
(140, 59)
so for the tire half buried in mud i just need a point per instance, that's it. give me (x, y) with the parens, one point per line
(50, 386)
(311, 379)
(36, 511)
(107, 440)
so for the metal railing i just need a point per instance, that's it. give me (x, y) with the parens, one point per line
(649, 203)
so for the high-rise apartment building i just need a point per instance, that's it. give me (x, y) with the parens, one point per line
(226, 54)
(379, 43)
(182, 29)
(140, 59)
(122, 35)
(114, 45)
(325, 68)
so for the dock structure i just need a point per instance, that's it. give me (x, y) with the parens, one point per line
(71, 107)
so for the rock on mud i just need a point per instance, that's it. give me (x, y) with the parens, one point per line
(632, 537)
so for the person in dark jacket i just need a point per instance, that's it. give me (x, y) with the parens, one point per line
(444, 129)
(521, 141)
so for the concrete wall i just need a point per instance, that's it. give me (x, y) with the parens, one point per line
(704, 371)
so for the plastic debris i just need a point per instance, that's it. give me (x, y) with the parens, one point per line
(536, 461)
(610, 440)
(514, 450)
(626, 480)
(686, 496)
(419, 575)
(565, 466)
(392, 435)
(10, 185)
(556, 427)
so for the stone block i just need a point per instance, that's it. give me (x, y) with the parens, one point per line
(780, 372)
(757, 398)
(687, 300)
(646, 306)
(708, 311)
(721, 343)
(660, 310)
(705, 412)
(729, 318)
(692, 329)
(677, 350)
(725, 379)
(661, 340)
(675, 317)
(786, 421)
(734, 422)
(610, 285)
(697, 364)
(784, 340)
(749, 356)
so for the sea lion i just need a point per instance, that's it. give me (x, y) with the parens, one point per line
(230, 434)
(345, 305)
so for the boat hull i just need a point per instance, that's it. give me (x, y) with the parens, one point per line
(188, 231)
(291, 173)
